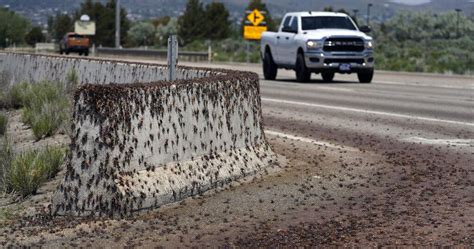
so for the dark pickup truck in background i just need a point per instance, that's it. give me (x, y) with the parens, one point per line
(74, 43)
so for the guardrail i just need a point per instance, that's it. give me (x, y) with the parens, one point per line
(45, 47)
(153, 53)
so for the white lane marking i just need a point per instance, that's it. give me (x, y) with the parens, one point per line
(368, 111)
(315, 87)
(470, 86)
(428, 96)
(457, 142)
(335, 89)
(309, 140)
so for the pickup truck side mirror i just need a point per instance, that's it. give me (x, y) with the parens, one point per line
(365, 29)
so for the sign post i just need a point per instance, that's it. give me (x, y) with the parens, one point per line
(254, 26)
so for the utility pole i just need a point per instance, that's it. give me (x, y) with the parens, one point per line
(368, 13)
(117, 23)
(457, 22)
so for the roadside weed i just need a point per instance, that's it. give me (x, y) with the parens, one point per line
(32, 168)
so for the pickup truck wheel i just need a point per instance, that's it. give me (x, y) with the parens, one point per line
(86, 53)
(366, 76)
(270, 69)
(302, 72)
(67, 52)
(328, 76)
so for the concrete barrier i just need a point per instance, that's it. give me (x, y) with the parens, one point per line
(141, 145)
(151, 54)
(18, 67)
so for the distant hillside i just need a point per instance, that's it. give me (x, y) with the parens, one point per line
(39, 10)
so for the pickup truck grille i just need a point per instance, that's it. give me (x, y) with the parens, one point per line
(357, 61)
(344, 45)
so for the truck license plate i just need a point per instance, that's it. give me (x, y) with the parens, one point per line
(345, 67)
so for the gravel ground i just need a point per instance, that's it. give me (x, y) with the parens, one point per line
(384, 193)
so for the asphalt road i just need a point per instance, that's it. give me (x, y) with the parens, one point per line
(423, 127)
(394, 107)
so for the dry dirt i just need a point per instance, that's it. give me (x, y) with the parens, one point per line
(323, 197)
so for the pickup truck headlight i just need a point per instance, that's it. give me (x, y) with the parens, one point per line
(312, 44)
(369, 44)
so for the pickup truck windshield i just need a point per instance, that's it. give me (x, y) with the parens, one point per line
(76, 36)
(326, 22)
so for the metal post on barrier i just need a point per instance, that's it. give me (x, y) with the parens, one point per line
(209, 53)
(172, 57)
(117, 24)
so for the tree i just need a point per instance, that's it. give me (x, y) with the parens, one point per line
(142, 34)
(192, 24)
(421, 41)
(104, 16)
(34, 36)
(342, 10)
(328, 9)
(13, 28)
(161, 21)
(199, 23)
(163, 31)
(257, 4)
(218, 24)
(61, 24)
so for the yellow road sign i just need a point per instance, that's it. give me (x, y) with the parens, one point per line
(255, 17)
(254, 32)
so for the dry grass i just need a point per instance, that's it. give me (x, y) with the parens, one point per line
(45, 106)
(32, 168)
(3, 123)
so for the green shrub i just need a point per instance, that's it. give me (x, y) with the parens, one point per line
(32, 168)
(4, 103)
(38, 94)
(72, 81)
(26, 173)
(6, 157)
(48, 120)
(16, 94)
(53, 158)
(3, 123)
(45, 106)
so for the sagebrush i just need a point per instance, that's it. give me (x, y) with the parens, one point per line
(32, 168)
(6, 157)
(45, 106)
(3, 123)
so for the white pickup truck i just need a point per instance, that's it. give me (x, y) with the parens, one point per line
(318, 42)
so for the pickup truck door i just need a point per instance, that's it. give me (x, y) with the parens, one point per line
(287, 45)
(277, 51)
